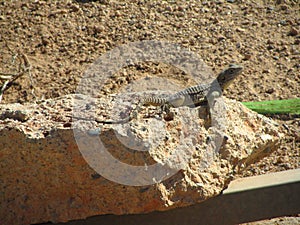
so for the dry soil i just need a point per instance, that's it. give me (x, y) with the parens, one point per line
(62, 38)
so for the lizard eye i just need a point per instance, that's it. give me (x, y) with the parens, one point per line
(231, 70)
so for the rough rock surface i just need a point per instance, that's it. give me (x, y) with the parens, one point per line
(44, 176)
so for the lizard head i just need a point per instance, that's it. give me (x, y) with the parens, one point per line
(226, 77)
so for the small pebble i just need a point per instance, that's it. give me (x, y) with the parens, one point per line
(293, 32)
(99, 28)
(266, 71)
(247, 56)
(221, 38)
(284, 7)
(270, 90)
(238, 29)
(94, 132)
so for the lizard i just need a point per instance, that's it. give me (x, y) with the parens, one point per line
(190, 96)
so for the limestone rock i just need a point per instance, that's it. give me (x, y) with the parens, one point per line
(56, 169)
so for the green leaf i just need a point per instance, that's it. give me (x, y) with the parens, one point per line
(291, 106)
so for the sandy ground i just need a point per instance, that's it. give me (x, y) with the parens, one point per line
(61, 39)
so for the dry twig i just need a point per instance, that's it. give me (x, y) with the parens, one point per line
(24, 67)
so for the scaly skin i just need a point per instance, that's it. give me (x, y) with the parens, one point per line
(190, 96)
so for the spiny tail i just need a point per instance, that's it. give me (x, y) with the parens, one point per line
(133, 114)
(121, 121)
(155, 101)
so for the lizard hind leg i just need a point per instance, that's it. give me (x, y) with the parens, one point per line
(174, 101)
(166, 110)
(166, 107)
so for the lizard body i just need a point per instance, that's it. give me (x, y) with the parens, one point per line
(190, 96)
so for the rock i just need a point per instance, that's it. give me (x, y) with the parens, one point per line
(284, 7)
(293, 32)
(221, 38)
(270, 9)
(45, 40)
(74, 8)
(168, 8)
(239, 29)
(47, 174)
(247, 56)
(99, 28)
(15, 112)
(270, 90)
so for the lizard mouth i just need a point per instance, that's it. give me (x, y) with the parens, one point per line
(231, 76)
(228, 83)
